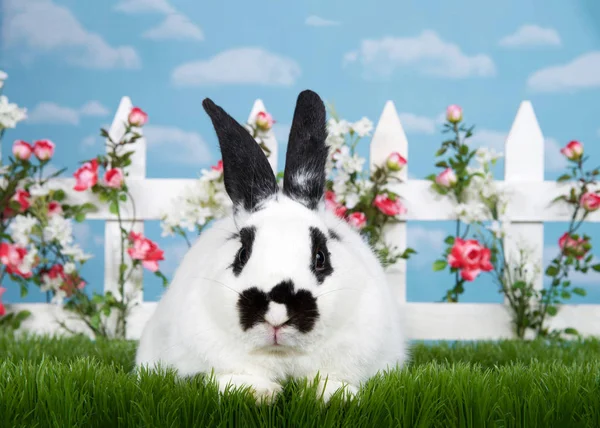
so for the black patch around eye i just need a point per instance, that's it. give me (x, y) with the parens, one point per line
(320, 268)
(242, 256)
(253, 305)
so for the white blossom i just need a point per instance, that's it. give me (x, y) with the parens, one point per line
(10, 113)
(336, 127)
(69, 268)
(20, 229)
(363, 127)
(3, 77)
(351, 199)
(59, 296)
(485, 156)
(38, 189)
(59, 229)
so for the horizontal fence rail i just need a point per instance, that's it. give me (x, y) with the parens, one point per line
(529, 208)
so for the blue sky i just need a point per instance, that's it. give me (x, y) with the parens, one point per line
(69, 63)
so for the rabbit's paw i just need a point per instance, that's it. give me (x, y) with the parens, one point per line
(262, 388)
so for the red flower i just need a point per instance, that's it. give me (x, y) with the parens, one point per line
(22, 150)
(573, 150)
(43, 149)
(23, 198)
(68, 281)
(54, 208)
(395, 162)
(470, 257)
(332, 205)
(86, 176)
(388, 206)
(2, 308)
(145, 250)
(13, 256)
(264, 121)
(357, 219)
(590, 201)
(114, 178)
(570, 246)
(137, 117)
(218, 167)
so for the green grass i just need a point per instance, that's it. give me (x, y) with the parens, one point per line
(75, 382)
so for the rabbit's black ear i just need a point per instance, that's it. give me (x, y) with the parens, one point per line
(304, 175)
(247, 174)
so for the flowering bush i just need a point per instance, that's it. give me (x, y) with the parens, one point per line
(36, 236)
(478, 201)
(365, 201)
(111, 188)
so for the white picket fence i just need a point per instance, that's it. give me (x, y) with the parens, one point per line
(529, 209)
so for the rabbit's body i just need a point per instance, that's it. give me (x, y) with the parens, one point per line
(281, 289)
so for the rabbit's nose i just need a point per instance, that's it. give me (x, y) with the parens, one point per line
(276, 315)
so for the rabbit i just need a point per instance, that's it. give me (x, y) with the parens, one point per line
(282, 288)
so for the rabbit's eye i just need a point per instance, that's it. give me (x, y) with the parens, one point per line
(243, 255)
(319, 260)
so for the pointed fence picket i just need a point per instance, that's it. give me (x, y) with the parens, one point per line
(529, 208)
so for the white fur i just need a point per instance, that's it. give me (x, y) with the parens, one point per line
(195, 327)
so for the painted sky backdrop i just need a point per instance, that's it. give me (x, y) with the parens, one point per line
(69, 63)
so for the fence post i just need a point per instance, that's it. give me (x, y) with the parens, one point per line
(389, 137)
(112, 247)
(524, 162)
(269, 138)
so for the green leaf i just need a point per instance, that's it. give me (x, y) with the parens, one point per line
(442, 164)
(519, 285)
(552, 271)
(464, 150)
(95, 320)
(565, 294)
(113, 207)
(439, 265)
(564, 177)
(552, 310)
(441, 151)
(449, 240)
(571, 331)
(579, 291)
(59, 195)
(79, 217)
(596, 267)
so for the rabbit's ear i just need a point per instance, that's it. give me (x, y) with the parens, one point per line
(247, 174)
(304, 175)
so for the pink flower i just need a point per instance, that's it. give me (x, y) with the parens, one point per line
(68, 282)
(388, 206)
(573, 150)
(54, 208)
(43, 149)
(446, 178)
(13, 256)
(332, 204)
(2, 308)
(218, 167)
(264, 121)
(114, 178)
(357, 220)
(570, 246)
(145, 250)
(395, 162)
(137, 117)
(470, 257)
(590, 201)
(86, 176)
(454, 113)
(22, 150)
(23, 198)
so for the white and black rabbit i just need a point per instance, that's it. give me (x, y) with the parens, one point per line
(282, 288)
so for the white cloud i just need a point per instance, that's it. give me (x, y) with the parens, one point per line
(554, 160)
(427, 53)
(177, 27)
(417, 124)
(581, 73)
(577, 278)
(317, 21)
(489, 139)
(531, 35)
(177, 145)
(428, 243)
(94, 108)
(143, 6)
(239, 66)
(47, 112)
(50, 112)
(41, 26)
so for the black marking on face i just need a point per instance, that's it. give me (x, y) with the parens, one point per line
(242, 256)
(320, 263)
(301, 306)
(333, 235)
(253, 305)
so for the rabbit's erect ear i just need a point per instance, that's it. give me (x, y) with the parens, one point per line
(304, 175)
(247, 174)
